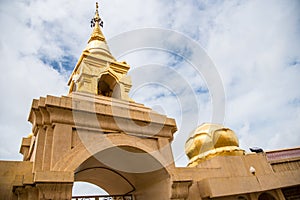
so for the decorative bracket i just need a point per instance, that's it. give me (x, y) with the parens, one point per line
(180, 190)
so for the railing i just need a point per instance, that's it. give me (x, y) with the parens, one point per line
(104, 197)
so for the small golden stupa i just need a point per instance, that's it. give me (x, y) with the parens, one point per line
(30, 135)
(210, 140)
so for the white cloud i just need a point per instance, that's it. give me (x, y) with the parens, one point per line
(253, 45)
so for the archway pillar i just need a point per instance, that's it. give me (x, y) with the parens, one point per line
(180, 190)
(54, 176)
(54, 185)
(165, 150)
(62, 191)
(28, 192)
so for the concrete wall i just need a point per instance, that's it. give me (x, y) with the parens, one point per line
(14, 173)
(159, 190)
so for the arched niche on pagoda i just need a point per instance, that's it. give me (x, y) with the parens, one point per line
(109, 86)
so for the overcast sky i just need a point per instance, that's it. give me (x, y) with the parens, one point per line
(253, 45)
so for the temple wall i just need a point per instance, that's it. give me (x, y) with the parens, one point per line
(287, 165)
(14, 173)
(158, 190)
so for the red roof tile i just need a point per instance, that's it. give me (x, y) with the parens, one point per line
(283, 154)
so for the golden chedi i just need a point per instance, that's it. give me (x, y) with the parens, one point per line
(210, 140)
(30, 135)
(97, 72)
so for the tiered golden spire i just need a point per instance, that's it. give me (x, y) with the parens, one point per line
(96, 22)
(97, 67)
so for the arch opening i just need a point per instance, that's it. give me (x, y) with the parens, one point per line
(266, 196)
(104, 169)
(108, 86)
(82, 188)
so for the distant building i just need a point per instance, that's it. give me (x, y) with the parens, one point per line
(99, 135)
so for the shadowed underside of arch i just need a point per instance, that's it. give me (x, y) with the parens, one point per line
(111, 181)
(109, 174)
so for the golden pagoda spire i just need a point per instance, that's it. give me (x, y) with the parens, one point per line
(97, 42)
(97, 72)
(96, 22)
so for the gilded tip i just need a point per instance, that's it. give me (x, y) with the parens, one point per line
(96, 19)
(96, 23)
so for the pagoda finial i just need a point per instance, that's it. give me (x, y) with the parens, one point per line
(96, 22)
(96, 18)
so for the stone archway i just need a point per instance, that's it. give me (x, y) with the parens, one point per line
(104, 169)
(128, 165)
(70, 130)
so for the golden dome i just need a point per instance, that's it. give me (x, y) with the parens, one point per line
(224, 137)
(210, 140)
(200, 140)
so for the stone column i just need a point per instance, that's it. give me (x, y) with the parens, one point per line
(32, 192)
(21, 193)
(180, 190)
(54, 191)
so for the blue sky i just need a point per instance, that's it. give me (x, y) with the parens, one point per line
(253, 45)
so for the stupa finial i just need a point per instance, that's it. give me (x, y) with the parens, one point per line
(96, 22)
